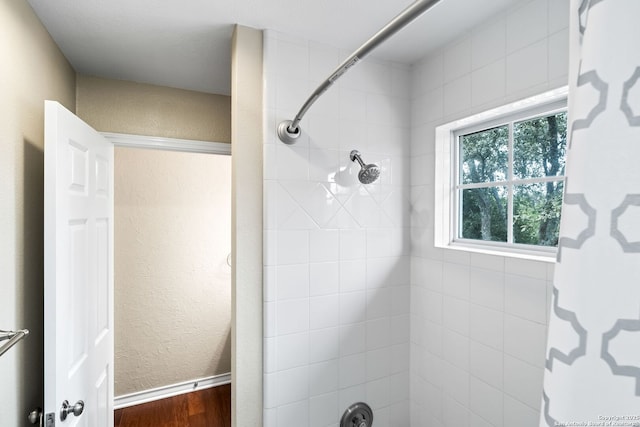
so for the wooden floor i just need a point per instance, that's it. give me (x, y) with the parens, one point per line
(206, 408)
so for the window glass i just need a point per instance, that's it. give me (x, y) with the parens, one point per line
(536, 213)
(484, 213)
(510, 180)
(484, 155)
(539, 146)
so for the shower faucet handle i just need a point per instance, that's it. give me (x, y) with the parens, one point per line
(359, 421)
(357, 415)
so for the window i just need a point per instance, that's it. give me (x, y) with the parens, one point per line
(506, 178)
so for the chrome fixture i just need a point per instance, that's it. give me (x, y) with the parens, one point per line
(67, 409)
(368, 173)
(288, 130)
(13, 338)
(357, 415)
(35, 417)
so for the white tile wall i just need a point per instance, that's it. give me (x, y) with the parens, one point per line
(486, 401)
(487, 288)
(488, 43)
(455, 349)
(519, 414)
(527, 68)
(525, 297)
(488, 83)
(359, 305)
(486, 326)
(457, 60)
(457, 95)
(486, 364)
(526, 24)
(337, 282)
(293, 350)
(478, 322)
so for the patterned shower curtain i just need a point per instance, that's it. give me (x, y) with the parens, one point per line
(592, 374)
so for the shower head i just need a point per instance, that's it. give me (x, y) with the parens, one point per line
(368, 173)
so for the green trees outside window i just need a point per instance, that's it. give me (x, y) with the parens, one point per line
(510, 181)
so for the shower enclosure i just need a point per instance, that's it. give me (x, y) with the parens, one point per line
(359, 306)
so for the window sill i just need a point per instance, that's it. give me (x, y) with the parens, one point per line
(511, 252)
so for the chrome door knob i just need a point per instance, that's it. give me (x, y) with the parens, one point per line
(35, 417)
(67, 409)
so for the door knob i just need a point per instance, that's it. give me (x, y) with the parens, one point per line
(35, 417)
(67, 409)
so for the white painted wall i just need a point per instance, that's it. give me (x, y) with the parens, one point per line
(336, 266)
(478, 322)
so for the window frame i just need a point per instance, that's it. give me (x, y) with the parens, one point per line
(447, 159)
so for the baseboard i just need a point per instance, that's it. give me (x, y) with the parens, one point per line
(147, 396)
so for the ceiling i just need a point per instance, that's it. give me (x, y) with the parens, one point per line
(186, 43)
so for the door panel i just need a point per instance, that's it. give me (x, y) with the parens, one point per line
(78, 269)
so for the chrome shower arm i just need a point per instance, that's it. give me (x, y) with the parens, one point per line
(288, 130)
(355, 156)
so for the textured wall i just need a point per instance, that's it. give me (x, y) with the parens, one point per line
(143, 109)
(246, 89)
(337, 252)
(173, 284)
(33, 69)
(478, 322)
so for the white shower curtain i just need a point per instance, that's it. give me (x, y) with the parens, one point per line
(592, 374)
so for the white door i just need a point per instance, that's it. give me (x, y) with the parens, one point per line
(78, 293)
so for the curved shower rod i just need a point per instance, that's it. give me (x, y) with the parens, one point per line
(12, 337)
(288, 130)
